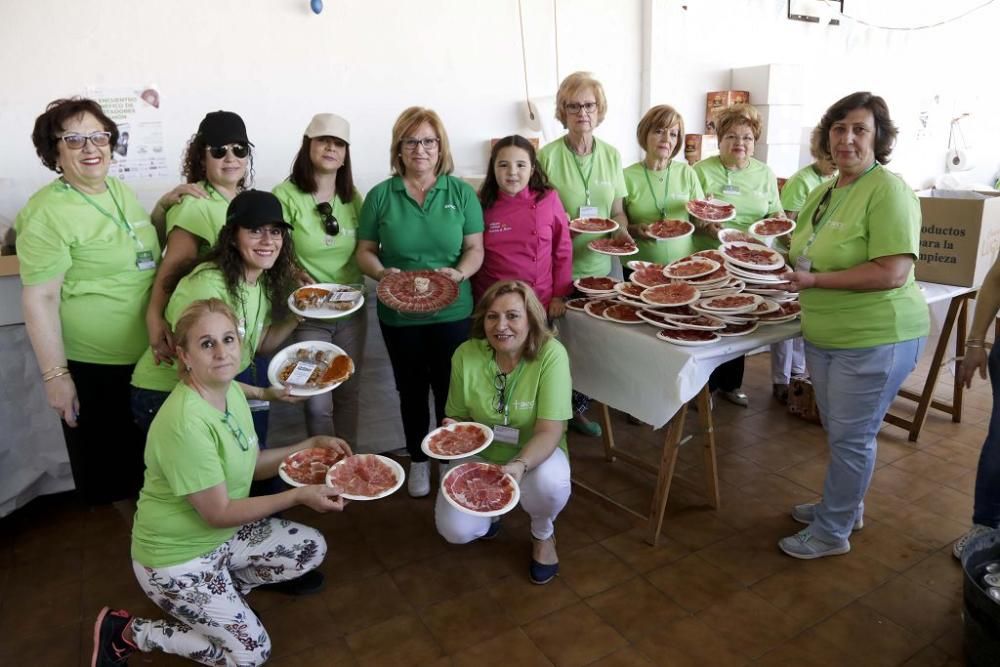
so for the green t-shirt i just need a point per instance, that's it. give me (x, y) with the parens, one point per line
(799, 185)
(429, 237)
(876, 216)
(538, 389)
(753, 190)
(191, 447)
(673, 188)
(328, 259)
(202, 217)
(104, 293)
(253, 312)
(566, 172)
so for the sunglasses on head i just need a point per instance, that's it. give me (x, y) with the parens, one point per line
(219, 152)
(330, 223)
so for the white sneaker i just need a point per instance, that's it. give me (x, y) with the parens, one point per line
(977, 530)
(807, 512)
(419, 482)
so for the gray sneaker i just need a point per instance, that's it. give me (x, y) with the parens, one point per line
(807, 512)
(977, 530)
(418, 483)
(807, 546)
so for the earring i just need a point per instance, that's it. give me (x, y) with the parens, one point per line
(187, 368)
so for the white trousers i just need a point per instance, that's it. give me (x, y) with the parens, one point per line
(788, 360)
(544, 493)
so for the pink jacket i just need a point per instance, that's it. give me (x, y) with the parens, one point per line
(527, 240)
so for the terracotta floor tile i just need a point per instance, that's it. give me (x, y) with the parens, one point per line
(364, 603)
(57, 645)
(931, 656)
(329, 653)
(781, 452)
(399, 641)
(434, 579)
(905, 485)
(864, 633)
(696, 528)
(910, 605)
(524, 601)
(633, 548)
(406, 542)
(954, 452)
(636, 608)
(808, 474)
(965, 484)
(776, 489)
(749, 624)
(510, 648)
(592, 569)
(626, 657)
(736, 468)
(930, 467)
(690, 642)
(752, 555)
(693, 582)
(880, 541)
(939, 572)
(806, 650)
(930, 527)
(466, 620)
(595, 517)
(803, 595)
(574, 636)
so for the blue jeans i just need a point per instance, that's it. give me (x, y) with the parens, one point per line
(854, 389)
(986, 510)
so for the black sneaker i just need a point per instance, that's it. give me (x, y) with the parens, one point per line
(110, 646)
(309, 583)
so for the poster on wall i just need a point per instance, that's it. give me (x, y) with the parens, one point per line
(138, 156)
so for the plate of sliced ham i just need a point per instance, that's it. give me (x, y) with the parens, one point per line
(307, 466)
(617, 247)
(480, 489)
(456, 441)
(592, 225)
(666, 230)
(365, 477)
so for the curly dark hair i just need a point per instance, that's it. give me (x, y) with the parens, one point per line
(278, 281)
(885, 129)
(538, 183)
(193, 163)
(50, 124)
(304, 172)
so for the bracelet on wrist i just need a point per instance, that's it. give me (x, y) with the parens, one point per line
(53, 369)
(522, 462)
(57, 375)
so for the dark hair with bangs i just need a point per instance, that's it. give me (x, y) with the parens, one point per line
(885, 129)
(48, 126)
(303, 174)
(193, 163)
(538, 183)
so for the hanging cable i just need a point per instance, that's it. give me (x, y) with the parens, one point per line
(524, 61)
(555, 30)
(919, 27)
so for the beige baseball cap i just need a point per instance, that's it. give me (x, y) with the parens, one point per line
(329, 125)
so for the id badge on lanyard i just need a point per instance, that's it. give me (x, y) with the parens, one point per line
(588, 212)
(506, 434)
(144, 260)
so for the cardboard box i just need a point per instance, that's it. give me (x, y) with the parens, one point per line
(959, 236)
(700, 146)
(719, 100)
(771, 84)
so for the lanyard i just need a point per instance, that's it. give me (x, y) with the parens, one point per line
(827, 214)
(241, 438)
(212, 190)
(666, 190)
(121, 220)
(590, 171)
(506, 389)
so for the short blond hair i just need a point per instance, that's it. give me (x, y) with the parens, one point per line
(407, 122)
(575, 83)
(661, 116)
(194, 313)
(738, 114)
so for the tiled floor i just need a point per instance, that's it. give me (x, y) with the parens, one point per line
(716, 592)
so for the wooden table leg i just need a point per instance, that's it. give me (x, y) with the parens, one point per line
(607, 435)
(711, 465)
(668, 460)
(932, 374)
(960, 333)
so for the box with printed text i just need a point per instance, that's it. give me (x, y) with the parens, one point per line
(959, 236)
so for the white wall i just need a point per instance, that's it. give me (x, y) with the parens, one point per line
(276, 63)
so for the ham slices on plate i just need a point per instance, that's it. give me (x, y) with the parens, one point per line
(481, 489)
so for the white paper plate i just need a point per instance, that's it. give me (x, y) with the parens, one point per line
(325, 313)
(706, 304)
(592, 290)
(279, 359)
(708, 267)
(688, 343)
(425, 443)
(576, 221)
(396, 468)
(760, 223)
(454, 503)
(637, 264)
(283, 472)
(777, 261)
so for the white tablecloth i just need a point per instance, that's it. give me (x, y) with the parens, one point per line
(629, 369)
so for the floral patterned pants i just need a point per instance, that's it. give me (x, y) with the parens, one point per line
(214, 625)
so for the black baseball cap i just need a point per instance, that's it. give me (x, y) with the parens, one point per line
(219, 128)
(252, 209)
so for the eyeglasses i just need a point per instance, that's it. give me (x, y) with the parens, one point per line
(821, 207)
(746, 138)
(427, 142)
(574, 107)
(500, 384)
(234, 428)
(330, 223)
(219, 152)
(76, 141)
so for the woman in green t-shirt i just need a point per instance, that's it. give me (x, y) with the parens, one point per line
(219, 159)
(513, 376)
(863, 317)
(658, 187)
(199, 543)
(250, 268)
(323, 207)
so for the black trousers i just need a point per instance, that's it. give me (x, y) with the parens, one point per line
(106, 447)
(728, 376)
(421, 361)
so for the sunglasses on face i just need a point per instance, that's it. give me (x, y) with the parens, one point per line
(330, 223)
(219, 152)
(77, 141)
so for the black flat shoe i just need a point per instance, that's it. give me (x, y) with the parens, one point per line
(309, 583)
